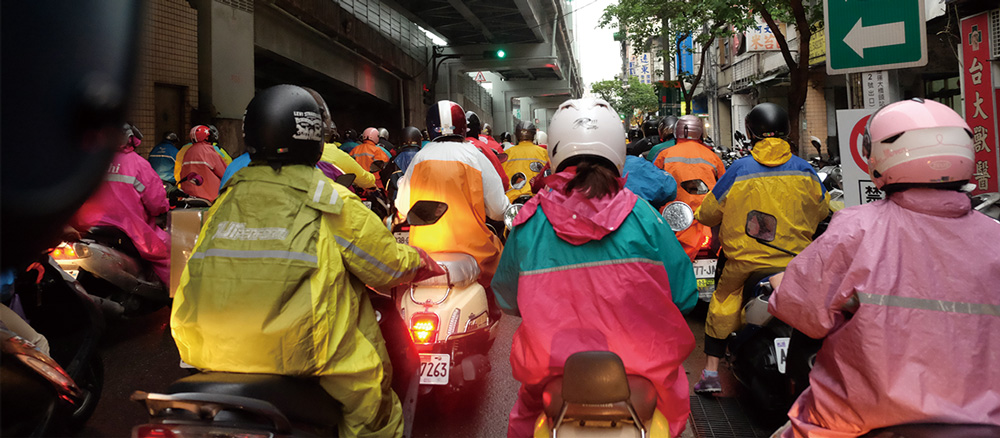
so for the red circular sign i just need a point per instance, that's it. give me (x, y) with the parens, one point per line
(855, 142)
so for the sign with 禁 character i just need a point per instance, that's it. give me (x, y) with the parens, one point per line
(980, 100)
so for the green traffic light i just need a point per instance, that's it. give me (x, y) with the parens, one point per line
(501, 54)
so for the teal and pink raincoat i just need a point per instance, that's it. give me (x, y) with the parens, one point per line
(596, 274)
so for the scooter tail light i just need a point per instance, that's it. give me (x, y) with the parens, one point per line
(424, 327)
(153, 431)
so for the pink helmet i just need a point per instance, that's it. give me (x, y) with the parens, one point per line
(370, 134)
(918, 142)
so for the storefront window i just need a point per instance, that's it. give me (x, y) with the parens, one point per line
(945, 90)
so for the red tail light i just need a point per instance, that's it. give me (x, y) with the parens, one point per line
(150, 431)
(424, 327)
(707, 242)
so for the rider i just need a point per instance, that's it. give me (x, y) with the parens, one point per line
(523, 156)
(163, 157)
(281, 291)
(541, 139)
(369, 151)
(915, 312)
(487, 137)
(383, 141)
(202, 160)
(589, 266)
(130, 199)
(472, 136)
(696, 167)
(350, 140)
(773, 181)
(651, 137)
(649, 182)
(506, 140)
(332, 153)
(666, 129)
(451, 170)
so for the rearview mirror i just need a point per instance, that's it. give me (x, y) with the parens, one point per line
(346, 179)
(518, 181)
(426, 212)
(761, 226)
(536, 166)
(678, 215)
(510, 213)
(502, 157)
(377, 166)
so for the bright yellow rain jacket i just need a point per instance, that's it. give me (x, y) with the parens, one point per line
(276, 285)
(775, 182)
(519, 158)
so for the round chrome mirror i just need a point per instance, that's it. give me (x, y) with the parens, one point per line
(510, 213)
(518, 180)
(679, 215)
(536, 166)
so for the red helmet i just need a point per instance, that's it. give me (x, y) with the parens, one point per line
(200, 133)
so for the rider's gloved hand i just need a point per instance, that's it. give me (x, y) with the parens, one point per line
(428, 267)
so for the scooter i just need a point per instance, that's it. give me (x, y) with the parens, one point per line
(448, 316)
(54, 394)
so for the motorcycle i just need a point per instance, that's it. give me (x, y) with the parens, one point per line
(706, 262)
(448, 316)
(988, 204)
(54, 394)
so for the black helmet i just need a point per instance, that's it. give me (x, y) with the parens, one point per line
(505, 137)
(351, 135)
(649, 128)
(767, 120)
(666, 127)
(172, 137)
(412, 136)
(282, 125)
(213, 134)
(329, 129)
(525, 131)
(474, 124)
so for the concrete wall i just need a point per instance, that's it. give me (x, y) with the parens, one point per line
(168, 57)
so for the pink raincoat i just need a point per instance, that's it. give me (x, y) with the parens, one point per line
(922, 347)
(596, 274)
(205, 161)
(130, 198)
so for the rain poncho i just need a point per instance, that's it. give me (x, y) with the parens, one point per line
(362, 177)
(772, 181)
(203, 160)
(163, 158)
(649, 182)
(281, 290)
(519, 159)
(596, 274)
(179, 159)
(129, 199)
(460, 175)
(690, 160)
(922, 346)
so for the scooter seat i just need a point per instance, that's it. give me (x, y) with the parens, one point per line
(300, 399)
(462, 270)
(114, 238)
(642, 395)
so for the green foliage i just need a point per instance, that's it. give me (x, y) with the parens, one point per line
(627, 100)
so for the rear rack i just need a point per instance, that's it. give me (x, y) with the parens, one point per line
(207, 406)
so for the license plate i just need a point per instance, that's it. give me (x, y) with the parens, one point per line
(704, 268)
(434, 369)
(402, 237)
(781, 353)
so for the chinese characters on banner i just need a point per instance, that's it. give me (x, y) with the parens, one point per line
(760, 38)
(980, 100)
(641, 67)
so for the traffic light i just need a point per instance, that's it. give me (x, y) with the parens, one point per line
(428, 95)
(495, 54)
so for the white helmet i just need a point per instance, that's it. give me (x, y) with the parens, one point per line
(586, 127)
(541, 137)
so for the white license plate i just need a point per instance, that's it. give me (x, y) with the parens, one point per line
(402, 237)
(704, 268)
(434, 369)
(781, 353)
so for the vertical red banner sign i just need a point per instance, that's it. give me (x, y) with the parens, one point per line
(980, 100)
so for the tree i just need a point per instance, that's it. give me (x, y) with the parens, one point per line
(627, 99)
(711, 19)
(672, 22)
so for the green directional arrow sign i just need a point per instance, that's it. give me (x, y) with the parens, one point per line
(867, 35)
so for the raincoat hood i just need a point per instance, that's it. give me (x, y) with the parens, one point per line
(941, 203)
(576, 219)
(772, 152)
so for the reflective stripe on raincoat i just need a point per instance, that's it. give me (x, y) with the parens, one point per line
(367, 153)
(179, 159)
(519, 158)
(690, 160)
(772, 181)
(362, 177)
(597, 274)
(460, 175)
(130, 199)
(281, 290)
(203, 160)
(922, 345)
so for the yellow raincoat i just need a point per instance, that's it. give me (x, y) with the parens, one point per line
(775, 182)
(519, 159)
(276, 285)
(345, 162)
